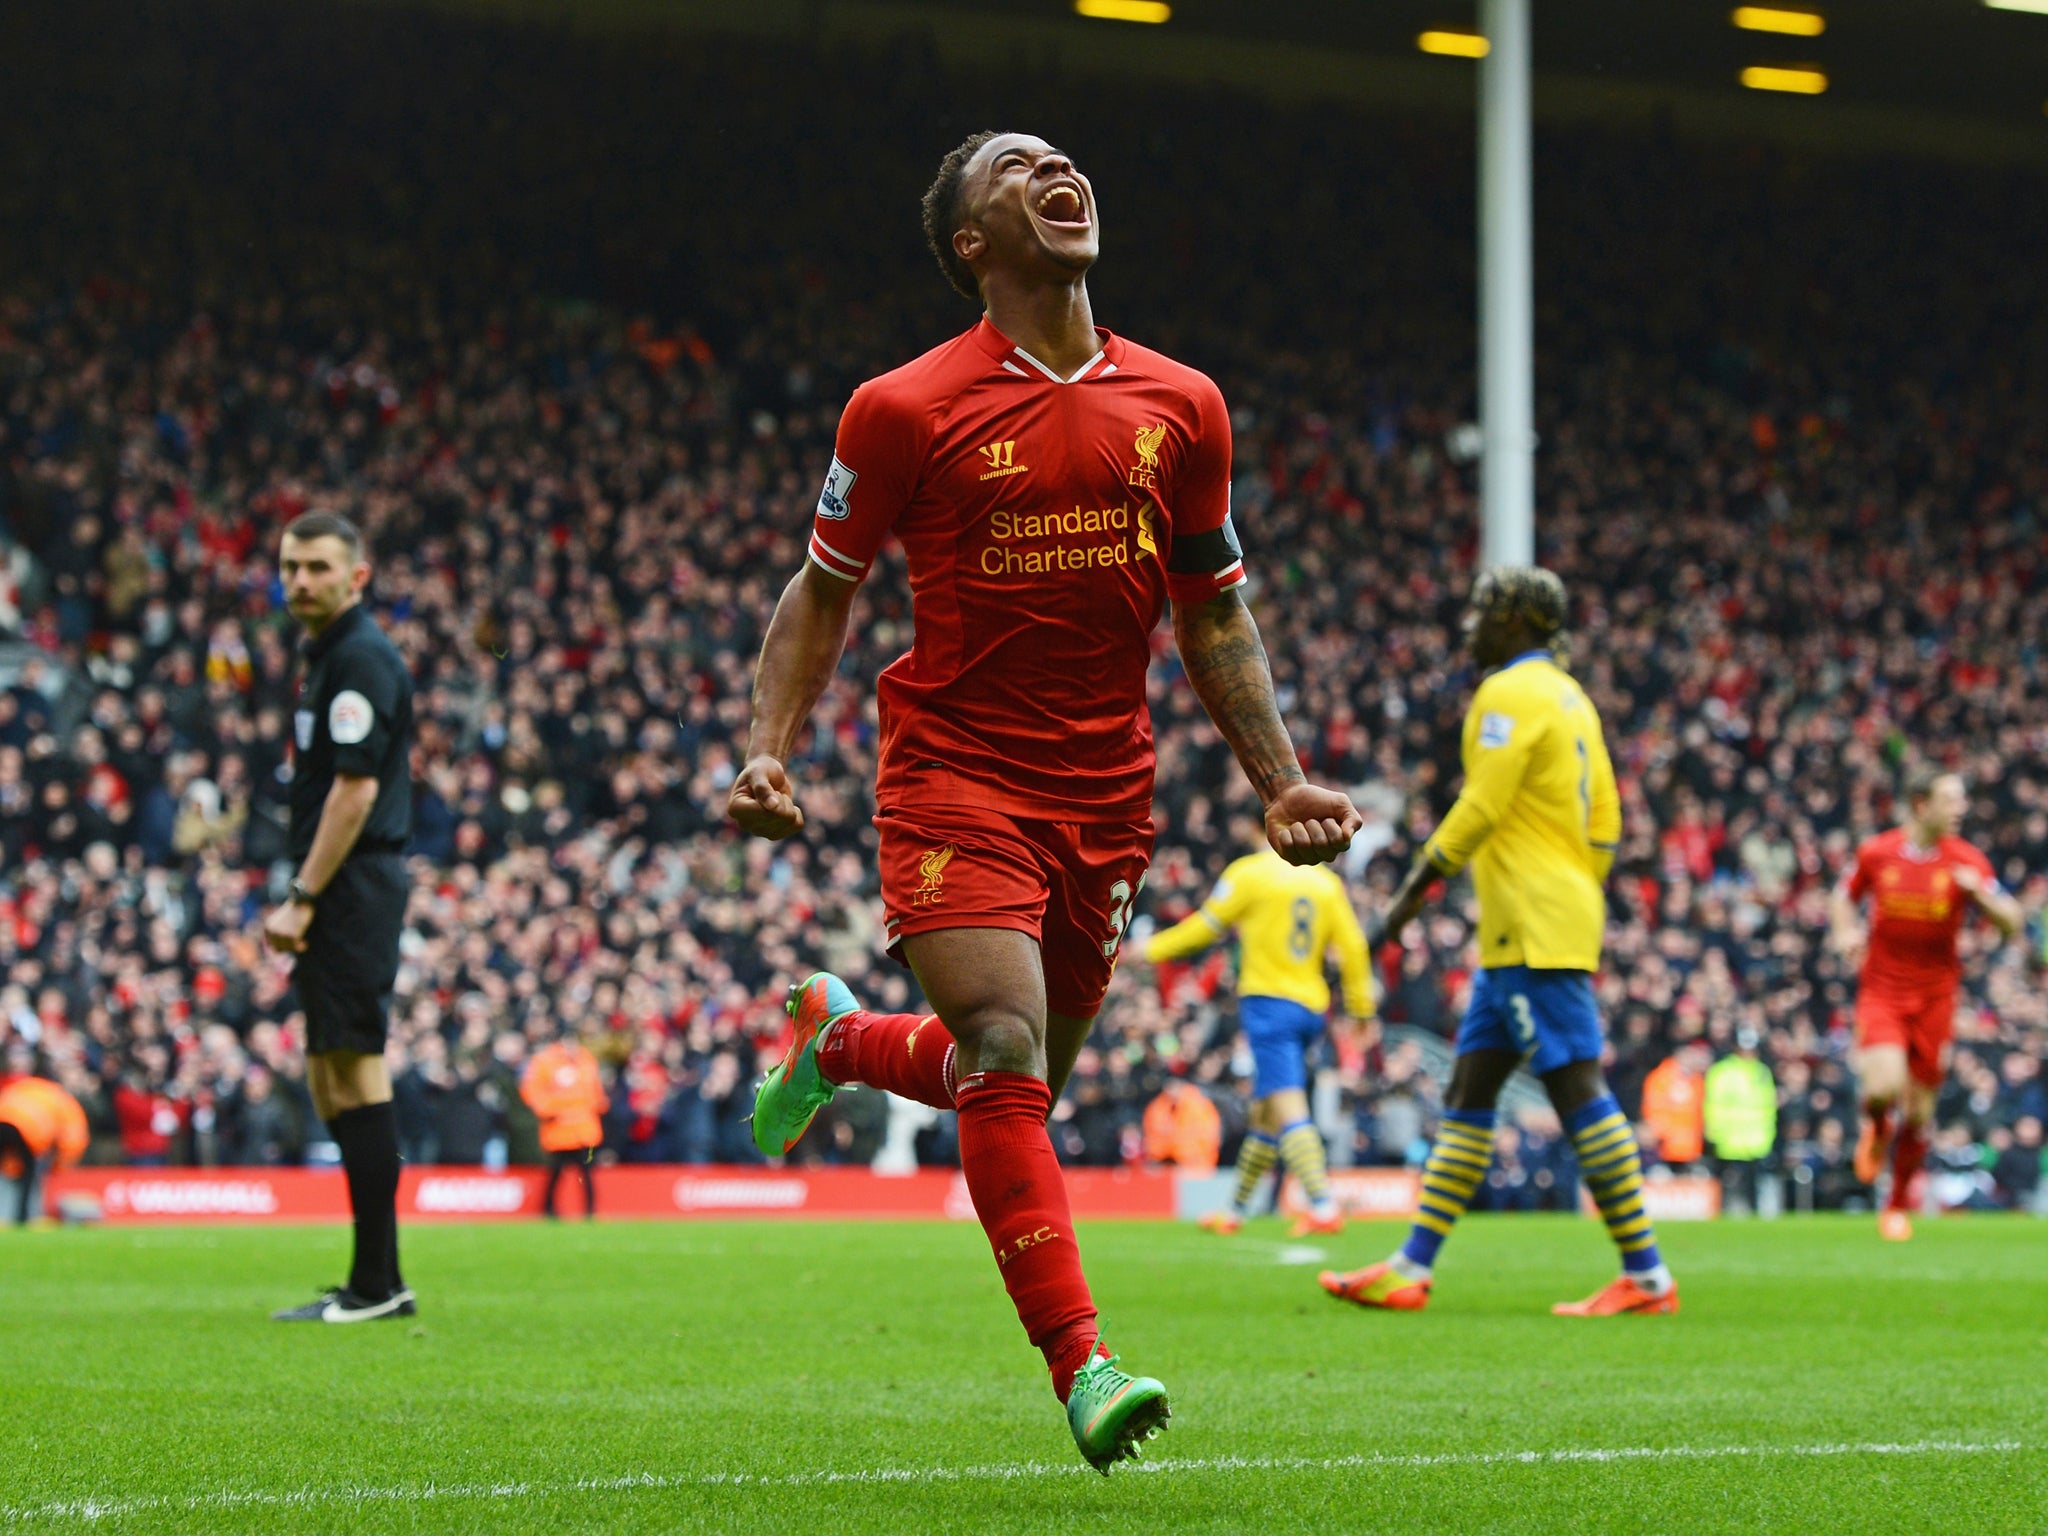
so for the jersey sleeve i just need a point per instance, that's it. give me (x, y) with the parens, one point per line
(1500, 733)
(1861, 873)
(1190, 936)
(1204, 926)
(1234, 892)
(1603, 814)
(1354, 966)
(362, 711)
(1205, 558)
(874, 471)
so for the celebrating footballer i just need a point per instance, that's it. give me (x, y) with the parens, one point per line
(1052, 486)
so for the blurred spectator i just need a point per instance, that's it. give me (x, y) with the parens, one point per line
(42, 1129)
(152, 1120)
(1739, 1116)
(1673, 1098)
(561, 1087)
(2016, 1171)
(257, 1127)
(1183, 1128)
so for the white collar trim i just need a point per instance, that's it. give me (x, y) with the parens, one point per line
(1079, 374)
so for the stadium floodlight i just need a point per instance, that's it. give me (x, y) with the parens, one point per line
(1153, 11)
(1455, 45)
(2034, 7)
(1798, 82)
(1764, 18)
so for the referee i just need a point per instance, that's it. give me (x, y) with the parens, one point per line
(351, 806)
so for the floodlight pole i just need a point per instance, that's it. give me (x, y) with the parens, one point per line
(1507, 363)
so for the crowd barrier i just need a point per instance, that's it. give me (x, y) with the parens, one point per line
(690, 1192)
(1367, 1194)
(629, 1191)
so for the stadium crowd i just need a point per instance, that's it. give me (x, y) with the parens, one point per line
(1807, 539)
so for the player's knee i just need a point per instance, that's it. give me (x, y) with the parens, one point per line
(1282, 1108)
(1574, 1086)
(1000, 1038)
(1476, 1080)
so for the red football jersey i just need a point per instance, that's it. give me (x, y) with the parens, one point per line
(1916, 910)
(1045, 522)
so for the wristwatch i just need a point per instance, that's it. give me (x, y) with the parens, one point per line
(297, 893)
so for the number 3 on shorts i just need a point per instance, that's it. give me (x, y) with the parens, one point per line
(1120, 898)
(1525, 1021)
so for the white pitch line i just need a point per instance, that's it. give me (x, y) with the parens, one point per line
(90, 1510)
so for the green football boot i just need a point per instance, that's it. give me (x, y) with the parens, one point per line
(1110, 1412)
(790, 1097)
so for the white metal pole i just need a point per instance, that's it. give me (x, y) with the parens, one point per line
(1507, 363)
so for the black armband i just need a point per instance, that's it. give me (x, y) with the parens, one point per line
(1204, 554)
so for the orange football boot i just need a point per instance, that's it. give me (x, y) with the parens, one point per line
(1377, 1285)
(1316, 1226)
(1222, 1223)
(1616, 1297)
(1870, 1150)
(1894, 1226)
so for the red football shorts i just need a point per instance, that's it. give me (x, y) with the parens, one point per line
(1068, 884)
(1923, 1025)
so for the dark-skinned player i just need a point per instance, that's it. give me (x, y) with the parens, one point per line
(1538, 821)
(1052, 486)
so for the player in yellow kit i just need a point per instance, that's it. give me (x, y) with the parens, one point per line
(1287, 919)
(1537, 821)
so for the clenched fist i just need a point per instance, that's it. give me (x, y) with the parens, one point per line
(762, 802)
(1310, 825)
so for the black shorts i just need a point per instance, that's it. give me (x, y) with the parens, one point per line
(345, 975)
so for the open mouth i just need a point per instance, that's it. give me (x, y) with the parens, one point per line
(1061, 205)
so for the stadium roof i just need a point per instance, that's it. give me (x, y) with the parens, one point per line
(1953, 78)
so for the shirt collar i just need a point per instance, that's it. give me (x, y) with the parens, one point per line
(1008, 354)
(331, 636)
(1535, 655)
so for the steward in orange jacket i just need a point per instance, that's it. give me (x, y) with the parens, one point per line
(1674, 1106)
(1183, 1128)
(562, 1088)
(40, 1125)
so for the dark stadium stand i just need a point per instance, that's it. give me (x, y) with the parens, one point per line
(577, 374)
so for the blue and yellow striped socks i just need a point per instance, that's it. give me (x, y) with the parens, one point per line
(1613, 1171)
(1301, 1147)
(1255, 1160)
(1457, 1166)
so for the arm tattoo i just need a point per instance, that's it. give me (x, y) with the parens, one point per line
(1226, 665)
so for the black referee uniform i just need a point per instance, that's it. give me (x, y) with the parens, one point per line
(354, 716)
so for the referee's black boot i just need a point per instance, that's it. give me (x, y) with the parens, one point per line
(339, 1304)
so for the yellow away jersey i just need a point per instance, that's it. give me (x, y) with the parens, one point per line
(1538, 819)
(1287, 919)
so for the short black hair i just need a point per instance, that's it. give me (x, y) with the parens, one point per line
(942, 212)
(328, 525)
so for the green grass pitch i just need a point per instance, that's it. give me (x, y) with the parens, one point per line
(799, 1377)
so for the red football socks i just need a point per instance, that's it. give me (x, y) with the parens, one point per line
(1909, 1149)
(907, 1053)
(1021, 1198)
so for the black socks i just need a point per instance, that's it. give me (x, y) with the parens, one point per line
(368, 1139)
